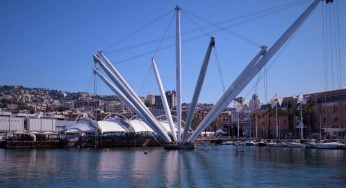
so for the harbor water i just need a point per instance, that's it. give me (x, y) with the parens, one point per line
(206, 166)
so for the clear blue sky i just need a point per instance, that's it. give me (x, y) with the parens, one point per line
(49, 44)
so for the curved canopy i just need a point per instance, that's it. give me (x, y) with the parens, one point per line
(112, 125)
(165, 125)
(139, 126)
(82, 125)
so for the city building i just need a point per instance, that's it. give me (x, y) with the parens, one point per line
(323, 113)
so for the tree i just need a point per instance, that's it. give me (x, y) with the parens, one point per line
(215, 125)
(308, 114)
(195, 122)
(270, 112)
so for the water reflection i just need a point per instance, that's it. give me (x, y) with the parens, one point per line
(211, 166)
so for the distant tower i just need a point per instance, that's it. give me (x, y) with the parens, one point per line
(171, 98)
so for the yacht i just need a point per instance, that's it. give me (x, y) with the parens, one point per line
(294, 144)
(276, 144)
(330, 145)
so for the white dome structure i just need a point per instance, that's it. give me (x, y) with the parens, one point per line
(84, 125)
(139, 126)
(113, 125)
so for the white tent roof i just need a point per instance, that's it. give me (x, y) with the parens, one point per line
(81, 126)
(166, 126)
(111, 126)
(140, 126)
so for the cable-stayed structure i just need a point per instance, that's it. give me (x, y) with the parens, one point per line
(121, 88)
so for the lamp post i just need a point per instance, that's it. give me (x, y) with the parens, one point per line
(300, 102)
(238, 104)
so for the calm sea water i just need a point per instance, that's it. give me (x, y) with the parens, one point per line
(207, 166)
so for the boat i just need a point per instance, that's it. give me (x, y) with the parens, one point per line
(262, 143)
(276, 144)
(250, 143)
(294, 144)
(311, 144)
(330, 145)
(239, 143)
(227, 143)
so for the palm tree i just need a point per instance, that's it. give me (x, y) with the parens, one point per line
(270, 112)
(308, 115)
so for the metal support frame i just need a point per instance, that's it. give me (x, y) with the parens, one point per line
(227, 97)
(147, 116)
(121, 79)
(164, 99)
(250, 71)
(133, 107)
(178, 71)
(198, 88)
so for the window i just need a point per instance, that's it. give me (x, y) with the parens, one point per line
(324, 120)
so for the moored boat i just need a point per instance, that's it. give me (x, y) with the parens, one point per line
(250, 143)
(294, 144)
(276, 144)
(261, 143)
(330, 145)
(227, 143)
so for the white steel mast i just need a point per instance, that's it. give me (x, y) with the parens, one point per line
(249, 72)
(178, 72)
(148, 117)
(164, 99)
(198, 88)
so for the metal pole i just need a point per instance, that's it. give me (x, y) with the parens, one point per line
(243, 80)
(198, 88)
(301, 120)
(256, 125)
(238, 125)
(276, 116)
(178, 71)
(125, 86)
(164, 99)
(122, 84)
(250, 126)
(9, 124)
(227, 97)
(136, 108)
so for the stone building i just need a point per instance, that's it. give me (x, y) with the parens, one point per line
(323, 112)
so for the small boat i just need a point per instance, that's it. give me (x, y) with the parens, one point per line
(294, 144)
(329, 145)
(276, 144)
(250, 143)
(227, 143)
(311, 144)
(261, 143)
(239, 143)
